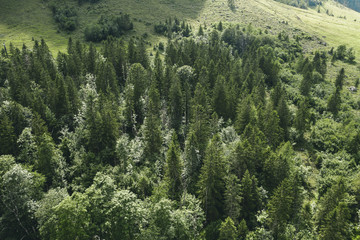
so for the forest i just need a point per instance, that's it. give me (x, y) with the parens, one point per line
(227, 133)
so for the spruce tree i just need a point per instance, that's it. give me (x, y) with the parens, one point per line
(302, 118)
(242, 230)
(7, 136)
(271, 127)
(220, 104)
(244, 114)
(192, 163)
(201, 31)
(212, 183)
(176, 104)
(250, 199)
(158, 72)
(152, 134)
(233, 197)
(306, 83)
(340, 79)
(228, 230)
(173, 169)
(334, 102)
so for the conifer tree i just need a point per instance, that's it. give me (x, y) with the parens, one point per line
(220, 104)
(211, 183)
(277, 166)
(7, 136)
(142, 56)
(332, 209)
(271, 126)
(176, 104)
(279, 207)
(340, 79)
(131, 50)
(138, 78)
(228, 230)
(201, 31)
(173, 169)
(158, 72)
(106, 81)
(302, 118)
(244, 114)
(337, 224)
(306, 83)
(284, 116)
(334, 102)
(242, 230)
(91, 59)
(233, 197)
(152, 134)
(62, 105)
(192, 163)
(250, 199)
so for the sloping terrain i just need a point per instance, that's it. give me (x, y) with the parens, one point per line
(331, 23)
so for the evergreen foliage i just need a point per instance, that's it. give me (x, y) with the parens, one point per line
(230, 134)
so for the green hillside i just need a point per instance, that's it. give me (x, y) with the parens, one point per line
(179, 120)
(335, 24)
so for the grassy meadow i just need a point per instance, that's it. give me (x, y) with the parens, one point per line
(22, 20)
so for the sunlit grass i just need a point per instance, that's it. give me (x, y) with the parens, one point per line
(33, 19)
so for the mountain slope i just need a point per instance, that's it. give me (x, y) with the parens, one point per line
(334, 24)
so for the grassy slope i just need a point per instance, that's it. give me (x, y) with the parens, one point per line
(23, 19)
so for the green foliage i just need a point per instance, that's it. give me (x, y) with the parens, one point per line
(233, 197)
(328, 135)
(340, 52)
(118, 141)
(45, 213)
(334, 102)
(333, 215)
(7, 136)
(170, 27)
(277, 166)
(245, 114)
(228, 230)
(19, 191)
(65, 16)
(250, 199)
(302, 118)
(168, 223)
(304, 4)
(282, 206)
(211, 181)
(90, 1)
(242, 229)
(173, 169)
(111, 25)
(70, 218)
(152, 132)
